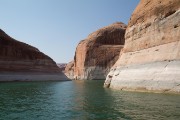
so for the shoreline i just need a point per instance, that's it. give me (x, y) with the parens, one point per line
(23, 76)
(163, 91)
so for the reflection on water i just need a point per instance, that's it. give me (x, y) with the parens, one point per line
(82, 100)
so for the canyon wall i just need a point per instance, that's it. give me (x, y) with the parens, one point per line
(150, 60)
(20, 61)
(98, 52)
(69, 70)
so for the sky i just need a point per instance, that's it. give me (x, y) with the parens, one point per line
(56, 27)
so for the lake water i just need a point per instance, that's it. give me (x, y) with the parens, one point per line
(82, 100)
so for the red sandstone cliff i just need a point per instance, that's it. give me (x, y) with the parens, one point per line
(150, 60)
(98, 52)
(20, 58)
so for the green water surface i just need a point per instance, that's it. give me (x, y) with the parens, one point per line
(82, 100)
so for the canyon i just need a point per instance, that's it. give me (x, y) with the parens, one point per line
(142, 56)
(22, 62)
(150, 59)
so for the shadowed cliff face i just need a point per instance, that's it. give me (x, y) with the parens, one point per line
(151, 55)
(16, 56)
(98, 52)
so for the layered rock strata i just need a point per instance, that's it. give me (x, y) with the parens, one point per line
(150, 60)
(98, 52)
(20, 61)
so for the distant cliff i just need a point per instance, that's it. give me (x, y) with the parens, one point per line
(62, 66)
(150, 60)
(98, 52)
(69, 70)
(20, 61)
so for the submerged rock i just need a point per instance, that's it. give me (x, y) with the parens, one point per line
(150, 60)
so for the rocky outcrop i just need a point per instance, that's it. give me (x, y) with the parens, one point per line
(150, 60)
(98, 52)
(69, 70)
(20, 61)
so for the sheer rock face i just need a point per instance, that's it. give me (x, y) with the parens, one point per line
(98, 52)
(69, 70)
(150, 60)
(17, 58)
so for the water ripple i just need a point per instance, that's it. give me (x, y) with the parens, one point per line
(82, 100)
